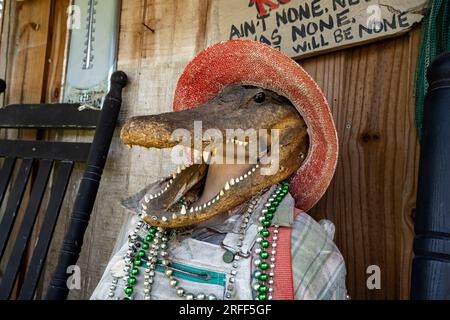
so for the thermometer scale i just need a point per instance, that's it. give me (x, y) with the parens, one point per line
(92, 51)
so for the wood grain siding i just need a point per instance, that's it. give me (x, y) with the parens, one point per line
(372, 197)
(370, 90)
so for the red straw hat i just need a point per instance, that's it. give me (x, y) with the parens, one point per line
(253, 63)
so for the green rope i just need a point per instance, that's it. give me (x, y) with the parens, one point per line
(435, 39)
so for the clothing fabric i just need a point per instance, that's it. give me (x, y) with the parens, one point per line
(318, 268)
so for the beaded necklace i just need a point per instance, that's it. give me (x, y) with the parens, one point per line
(147, 244)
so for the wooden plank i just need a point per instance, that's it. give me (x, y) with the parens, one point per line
(372, 197)
(75, 151)
(5, 175)
(46, 231)
(8, 31)
(26, 57)
(13, 204)
(41, 116)
(26, 228)
(2, 10)
(56, 51)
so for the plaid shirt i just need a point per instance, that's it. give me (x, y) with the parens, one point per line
(317, 265)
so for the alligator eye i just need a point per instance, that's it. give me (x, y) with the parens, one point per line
(259, 97)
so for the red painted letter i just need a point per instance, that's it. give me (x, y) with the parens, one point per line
(260, 6)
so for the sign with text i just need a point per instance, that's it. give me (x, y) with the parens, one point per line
(306, 27)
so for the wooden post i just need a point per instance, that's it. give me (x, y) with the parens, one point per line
(431, 265)
(87, 191)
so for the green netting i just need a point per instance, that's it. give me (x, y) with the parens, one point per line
(435, 39)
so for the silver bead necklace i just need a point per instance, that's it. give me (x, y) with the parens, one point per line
(156, 243)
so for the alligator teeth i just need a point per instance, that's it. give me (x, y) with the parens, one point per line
(213, 200)
(146, 199)
(164, 219)
(217, 198)
(183, 210)
(174, 175)
(253, 169)
(196, 154)
(192, 210)
(170, 181)
(209, 203)
(206, 156)
(245, 176)
(144, 206)
(241, 178)
(204, 206)
(249, 173)
(232, 182)
(178, 170)
(227, 186)
(221, 193)
(196, 209)
(151, 197)
(174, 216)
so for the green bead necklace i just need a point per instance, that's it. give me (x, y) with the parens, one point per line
(263, 284)
(144, 252)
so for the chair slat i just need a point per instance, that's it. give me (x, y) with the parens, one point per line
(76, 151)
(46, 233)
(15, 261)
(43, 116)
(14, 201)
(5, 175)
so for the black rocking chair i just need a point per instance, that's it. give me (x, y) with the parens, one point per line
(42, 158)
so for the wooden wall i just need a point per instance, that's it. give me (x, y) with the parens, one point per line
(370, 90)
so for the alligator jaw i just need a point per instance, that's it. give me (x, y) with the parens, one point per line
(234, 108)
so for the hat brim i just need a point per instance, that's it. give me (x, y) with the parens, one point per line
(253, 63)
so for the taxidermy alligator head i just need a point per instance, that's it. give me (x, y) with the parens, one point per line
(236, 107)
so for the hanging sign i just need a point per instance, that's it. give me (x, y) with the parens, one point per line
(306, 27)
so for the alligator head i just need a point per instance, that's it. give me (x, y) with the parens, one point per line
(238, 108)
